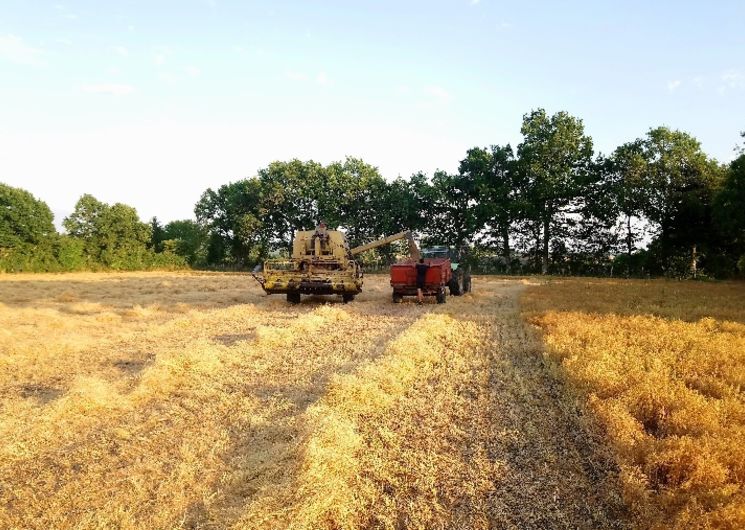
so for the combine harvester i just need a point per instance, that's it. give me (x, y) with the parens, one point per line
(321, 263)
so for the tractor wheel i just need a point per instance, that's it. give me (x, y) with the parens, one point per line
(347, 297)
(293, 298)
(397, 298)
(441, 296)
(456, 284)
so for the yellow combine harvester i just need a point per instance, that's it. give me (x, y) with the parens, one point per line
(321, 263)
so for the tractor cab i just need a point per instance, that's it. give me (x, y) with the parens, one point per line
(460, 282)
(443, 252)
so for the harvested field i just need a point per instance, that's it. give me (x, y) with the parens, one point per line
(661, 365)
(192, 400)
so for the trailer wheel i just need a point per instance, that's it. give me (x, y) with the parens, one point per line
(441, 296)
(347, 297)
(397, 298)
(293, 298)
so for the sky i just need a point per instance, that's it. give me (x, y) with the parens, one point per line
(151, 102)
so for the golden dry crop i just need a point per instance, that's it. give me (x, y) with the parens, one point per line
(192, 400)
(661, 366)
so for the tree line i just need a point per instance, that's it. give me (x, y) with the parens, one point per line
(98, 236)
(657, 205)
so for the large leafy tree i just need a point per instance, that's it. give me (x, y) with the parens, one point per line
(353, 198)
(85, 221)
(238, 222)
(684, 182)
(729, 209)
(292, 197)
(497, 196)
(555, 160)
(458, 209)
(24, 219)
(627, 190)
(113, 235)
(407, 204)
(187, 239)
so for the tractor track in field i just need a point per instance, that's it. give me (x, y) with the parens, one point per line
(556, 474)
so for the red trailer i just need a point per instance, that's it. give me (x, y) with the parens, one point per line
(403, 278)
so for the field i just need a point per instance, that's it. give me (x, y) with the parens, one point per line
(661, 366)
(192, 400)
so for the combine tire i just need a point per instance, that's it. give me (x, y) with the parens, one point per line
(397, 298)
(347, 297)
(441, 296)
(293, 298)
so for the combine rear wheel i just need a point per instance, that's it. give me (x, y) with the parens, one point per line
(293, 298)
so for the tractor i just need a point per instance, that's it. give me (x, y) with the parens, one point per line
(460, 280)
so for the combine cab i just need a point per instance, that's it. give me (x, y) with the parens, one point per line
(321, 263)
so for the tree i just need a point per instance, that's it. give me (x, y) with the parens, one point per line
(353, 199)
(407, 204)
(292, 194)
(113, 236)
(497, 196)
(24, 219)
(684, 182)
(238, 222)
(27, 235)
(84, 221)
(555, 157)
(157, 235)
(729, 208)
(628, 187)
(188, 239)
(454, 218)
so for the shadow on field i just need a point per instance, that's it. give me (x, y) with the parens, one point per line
(266, 455)
(555, 472)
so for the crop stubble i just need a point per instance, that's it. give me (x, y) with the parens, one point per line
(167, 400)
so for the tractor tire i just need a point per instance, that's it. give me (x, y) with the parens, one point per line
(293, 298)
(454, 287)
(397, 298)
(456, 284)
(347, 297)
(441, 296)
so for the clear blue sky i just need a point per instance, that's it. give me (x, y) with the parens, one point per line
(151, 102)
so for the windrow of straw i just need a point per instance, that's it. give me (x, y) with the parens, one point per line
(145, 451)
(390, 445)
